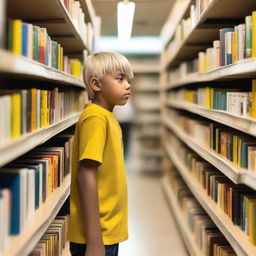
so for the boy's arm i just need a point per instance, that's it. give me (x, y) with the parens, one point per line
(88, 191)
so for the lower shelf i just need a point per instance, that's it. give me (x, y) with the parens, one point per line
(236, 237)
(187, 236)
(21, 245)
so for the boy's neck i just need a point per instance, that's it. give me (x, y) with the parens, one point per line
(103, 104)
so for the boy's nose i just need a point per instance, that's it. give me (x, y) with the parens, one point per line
(127, 86)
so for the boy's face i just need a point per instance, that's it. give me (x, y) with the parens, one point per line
(115, 88)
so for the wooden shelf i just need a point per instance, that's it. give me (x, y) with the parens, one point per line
(179, 217)
(243, 69)
(24, 67)
(179, 10)
(147, 90)
(151, 152)
(207, 28)
(52, 15)
(244, 124)
(234, 173)
(22, 244)
(18, 147)
(236, 237)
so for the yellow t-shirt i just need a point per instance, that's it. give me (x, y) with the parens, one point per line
(98, 137)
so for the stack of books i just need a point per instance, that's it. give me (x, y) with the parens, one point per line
(27, 182)
(54, 240)
(237, 201)
(34, 43)
(237, 147)
(24, 111)
(208, 238)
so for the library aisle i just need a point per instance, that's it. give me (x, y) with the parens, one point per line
(152, 229)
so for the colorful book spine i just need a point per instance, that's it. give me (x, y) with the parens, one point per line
(248, 36)
(16, 115)
(17, 37)
(254, 34)
(24, 39)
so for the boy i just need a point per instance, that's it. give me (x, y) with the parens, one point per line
(98, 197)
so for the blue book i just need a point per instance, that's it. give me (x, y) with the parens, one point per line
(13, 179)
(222, 43)
(34, 168)
(24, 39)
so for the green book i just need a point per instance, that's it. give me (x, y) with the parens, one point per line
(54, 54)
(248, 36)
(244, 157)
(36, 43)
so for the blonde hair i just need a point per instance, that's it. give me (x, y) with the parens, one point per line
(102, 63)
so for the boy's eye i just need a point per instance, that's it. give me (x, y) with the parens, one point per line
(120, 78)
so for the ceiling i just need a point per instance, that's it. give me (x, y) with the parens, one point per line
(150, 15)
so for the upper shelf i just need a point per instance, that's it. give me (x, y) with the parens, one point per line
(243, 69)
(24, 67)
(219, 14)
(53, 15)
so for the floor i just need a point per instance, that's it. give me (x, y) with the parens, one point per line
(152, 229)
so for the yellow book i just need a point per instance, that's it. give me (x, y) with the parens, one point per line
(254, 34)
(235, 45)
(76, 68)
(253, 106)
(59, 57)
(208, 98)
(43, 108)
(17, 37)
(16, 115)
(251, 220)
(235, 149)
(33, 108)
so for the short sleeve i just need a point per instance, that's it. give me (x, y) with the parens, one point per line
(92, 139)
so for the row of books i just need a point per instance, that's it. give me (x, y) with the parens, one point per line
(237, 201)
(234, 44)
(237, 147)
(77, 16)
(24, 111)
(208, 238)
(54, 240)
(86, 30)
(34, 42)
(231, 100)
(187, 24)
(27, 182)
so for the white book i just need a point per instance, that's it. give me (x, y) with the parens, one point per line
(241, 41)
(30, 192)
(30, 41)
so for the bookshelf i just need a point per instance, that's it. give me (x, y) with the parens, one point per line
(38, 224)
(234, 235)
(179, 217)
(77, 42)
(217, 14)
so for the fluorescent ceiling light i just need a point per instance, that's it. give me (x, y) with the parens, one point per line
(125, 14)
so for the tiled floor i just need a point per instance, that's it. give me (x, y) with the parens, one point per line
(152, 229)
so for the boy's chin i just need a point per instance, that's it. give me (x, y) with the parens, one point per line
(122, 103)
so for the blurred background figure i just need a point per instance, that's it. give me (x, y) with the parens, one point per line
(124, 115)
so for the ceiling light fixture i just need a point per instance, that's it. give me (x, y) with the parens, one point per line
(125, 14)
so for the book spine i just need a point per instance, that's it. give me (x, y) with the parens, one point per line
(33, 108)
(24, 104)
(229, 36)
(253, 108)
(16, 115)
(254, 34)
(241, 41)
(248, 36)
(2, 23)
(24, 39)
(36, 43)
(43, 119)
(30, 42)
(17, 37)
(42, 44)
(38, 108)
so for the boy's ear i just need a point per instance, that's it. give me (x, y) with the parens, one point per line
(95, 84)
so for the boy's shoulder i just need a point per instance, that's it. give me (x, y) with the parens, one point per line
(93, 110)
